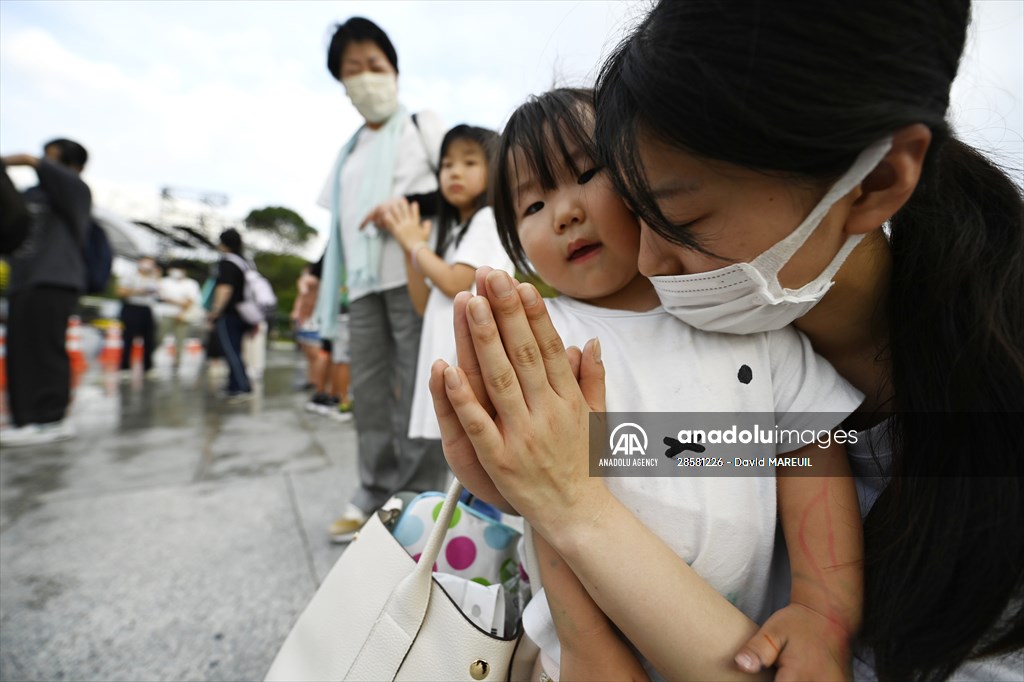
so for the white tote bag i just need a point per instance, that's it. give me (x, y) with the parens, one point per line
(379, 615)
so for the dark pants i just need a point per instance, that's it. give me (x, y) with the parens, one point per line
(138, 321)
(38, 368)
(230, 329)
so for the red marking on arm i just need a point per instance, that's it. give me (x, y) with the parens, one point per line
(831, 536)
(802, 534)
(834, 617)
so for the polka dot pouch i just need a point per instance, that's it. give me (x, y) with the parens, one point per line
(477, 547)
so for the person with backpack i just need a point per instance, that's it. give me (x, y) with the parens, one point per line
(48, 274)
(226, 321)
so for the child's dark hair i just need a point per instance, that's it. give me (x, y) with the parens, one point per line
(802, 89)
(357, 30)
(562, 117)
(448, 219)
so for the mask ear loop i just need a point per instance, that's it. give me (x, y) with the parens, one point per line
(771, 262)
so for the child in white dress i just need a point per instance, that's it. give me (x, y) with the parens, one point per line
(466, 238)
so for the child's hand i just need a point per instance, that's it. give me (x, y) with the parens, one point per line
(402, 221)
(377, 215)
(802, 644)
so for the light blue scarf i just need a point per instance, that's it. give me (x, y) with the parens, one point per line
(364, 261)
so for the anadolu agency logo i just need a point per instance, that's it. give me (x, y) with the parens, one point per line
(628, 439)
(628, 445)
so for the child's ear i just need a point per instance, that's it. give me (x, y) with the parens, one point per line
(888, 187)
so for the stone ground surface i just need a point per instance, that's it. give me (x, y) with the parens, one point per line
(176, 538)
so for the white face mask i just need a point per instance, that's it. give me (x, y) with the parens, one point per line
(177, 274)
(374, 95)
(745, 298)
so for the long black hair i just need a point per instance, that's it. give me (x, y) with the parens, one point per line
(800, 89)
(450, 226)
(545, 130)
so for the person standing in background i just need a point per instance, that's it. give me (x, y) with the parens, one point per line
(47, 277)
(392, 154)
(182, 293)
(306, 334)
(228, 325)
(138, 293)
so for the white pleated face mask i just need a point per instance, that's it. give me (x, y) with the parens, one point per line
(374, 95)
(745, 298)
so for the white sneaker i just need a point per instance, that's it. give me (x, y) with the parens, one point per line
(345, 528)
(38, 434)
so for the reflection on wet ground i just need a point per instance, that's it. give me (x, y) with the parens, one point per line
(176, 536)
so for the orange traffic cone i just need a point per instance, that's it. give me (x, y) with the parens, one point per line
(73, 345)
(113, 346)
(4, 410)
(3, 357)
(136, 351)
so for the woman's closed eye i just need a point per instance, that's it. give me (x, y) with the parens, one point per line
(588, 175)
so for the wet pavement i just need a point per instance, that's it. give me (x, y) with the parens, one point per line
(176, 537)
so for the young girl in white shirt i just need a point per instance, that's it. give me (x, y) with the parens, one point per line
(559, 216)
(466, 238)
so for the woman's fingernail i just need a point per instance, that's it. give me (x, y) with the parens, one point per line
(501, 285)
(451, 378)
(528, 295)
(747, 662)
(597, 350)
(478, 310)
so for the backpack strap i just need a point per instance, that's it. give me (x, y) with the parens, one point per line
(423, 141)
(242, 264)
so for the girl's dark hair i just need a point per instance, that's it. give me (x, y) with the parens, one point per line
(801, 89)
(357, 30)
(72, 154)
(448, 218)
(547, 129)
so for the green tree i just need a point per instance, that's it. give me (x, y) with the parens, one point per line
(282, 270)
(285, 228)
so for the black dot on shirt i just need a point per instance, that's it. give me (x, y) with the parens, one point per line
(745, 375)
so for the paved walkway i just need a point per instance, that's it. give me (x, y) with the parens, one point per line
(177, 538)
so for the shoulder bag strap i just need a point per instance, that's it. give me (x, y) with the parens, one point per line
(423, 141)
(399, 623)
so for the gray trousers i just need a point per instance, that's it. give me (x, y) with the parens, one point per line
(385, 342)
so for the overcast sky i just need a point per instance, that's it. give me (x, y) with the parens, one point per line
(235, 98)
